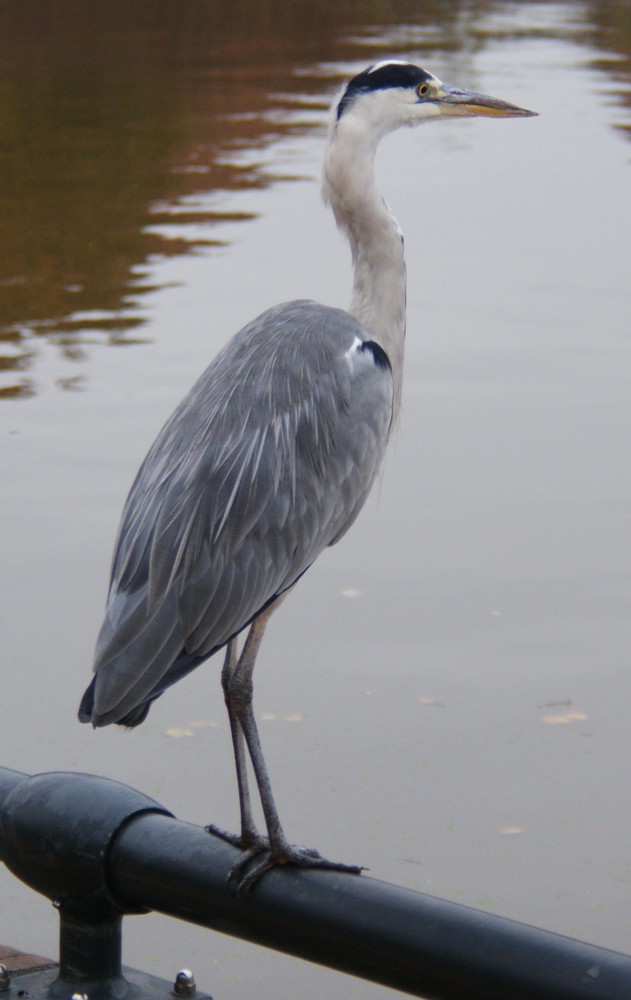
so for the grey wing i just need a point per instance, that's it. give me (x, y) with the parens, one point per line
(268, 460)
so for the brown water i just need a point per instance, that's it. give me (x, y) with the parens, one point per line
(445, 697)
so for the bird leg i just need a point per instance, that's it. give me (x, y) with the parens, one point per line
(276, 850)
(241, 690)
(236, 679)
(250, 837)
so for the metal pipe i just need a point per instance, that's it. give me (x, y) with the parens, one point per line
(55, 830)
(101, 849)
(89, 955)
(424, 946)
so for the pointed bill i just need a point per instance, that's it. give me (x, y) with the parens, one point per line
(463, 103)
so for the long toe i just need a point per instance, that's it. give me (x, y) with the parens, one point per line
(252, 843)
(288, 854)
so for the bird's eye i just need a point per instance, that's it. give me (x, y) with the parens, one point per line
(423, 90)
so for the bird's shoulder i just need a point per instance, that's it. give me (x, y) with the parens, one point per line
(299, 368)
(295, 343)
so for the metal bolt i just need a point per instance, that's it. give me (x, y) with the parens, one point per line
(185, 985)
(5, 979)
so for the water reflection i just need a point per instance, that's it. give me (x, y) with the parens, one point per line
(118, 120)
(106, 129)
(493, 567)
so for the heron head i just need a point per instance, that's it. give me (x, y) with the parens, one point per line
(394, 93)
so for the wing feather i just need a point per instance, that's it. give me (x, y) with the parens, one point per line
(267, 461)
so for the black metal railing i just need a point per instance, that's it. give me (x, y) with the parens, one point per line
(99, 850)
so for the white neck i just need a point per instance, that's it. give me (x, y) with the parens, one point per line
(374, 235)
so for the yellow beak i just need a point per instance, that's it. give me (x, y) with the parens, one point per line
(464, 103)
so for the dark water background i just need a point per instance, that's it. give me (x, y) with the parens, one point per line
(446, 696)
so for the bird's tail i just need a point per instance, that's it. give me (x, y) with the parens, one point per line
(133, 718)
(87, 703)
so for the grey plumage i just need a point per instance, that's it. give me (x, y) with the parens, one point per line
(268, 460)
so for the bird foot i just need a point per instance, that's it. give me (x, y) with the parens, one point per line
(286, 854)
(259, 857)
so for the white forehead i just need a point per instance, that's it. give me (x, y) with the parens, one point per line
(387, 62)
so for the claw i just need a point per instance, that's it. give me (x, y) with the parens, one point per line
(239, 875)
(252, 845)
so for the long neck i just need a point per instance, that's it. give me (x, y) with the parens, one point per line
(376, 241)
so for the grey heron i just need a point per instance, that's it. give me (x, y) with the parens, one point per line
(269, 459)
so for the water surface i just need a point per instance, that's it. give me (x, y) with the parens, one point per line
(444, 698)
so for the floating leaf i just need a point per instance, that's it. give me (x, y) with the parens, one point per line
(564, 718)
(290, 717)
